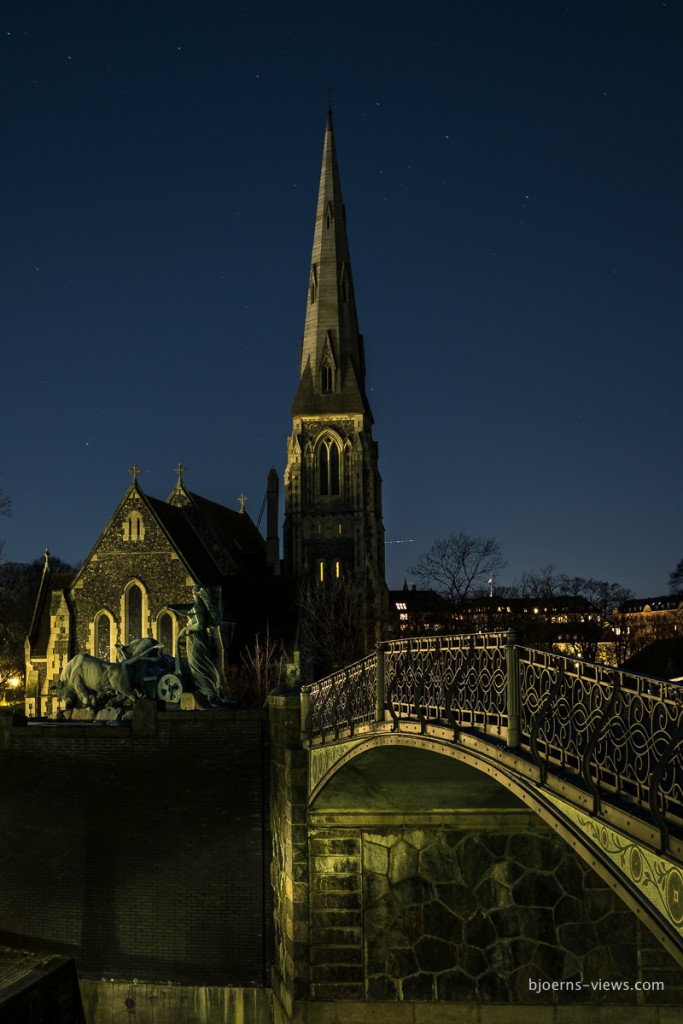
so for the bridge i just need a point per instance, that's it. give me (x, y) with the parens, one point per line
(596, 752)
(481, 741)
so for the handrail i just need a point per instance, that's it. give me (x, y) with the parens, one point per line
(617, 734)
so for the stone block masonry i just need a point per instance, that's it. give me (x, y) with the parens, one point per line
(421, 916)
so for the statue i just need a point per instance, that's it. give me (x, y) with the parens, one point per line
(91, 682)
(200, 616)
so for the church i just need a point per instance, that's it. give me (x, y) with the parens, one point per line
(152, 552)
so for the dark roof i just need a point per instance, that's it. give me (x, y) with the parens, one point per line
(208, 536)
(527, 605)
(261, 604)
(185, 540)
(39, 630)
(237, 532)
(427, 601)
(662, 658)
(667, 602)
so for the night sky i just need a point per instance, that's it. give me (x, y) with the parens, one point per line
(512, 177)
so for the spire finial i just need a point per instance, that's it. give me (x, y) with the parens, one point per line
(135, 472)
(329, 92)
(242, 500)
(180, 469)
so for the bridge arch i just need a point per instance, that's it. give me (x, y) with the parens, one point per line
(630, 869)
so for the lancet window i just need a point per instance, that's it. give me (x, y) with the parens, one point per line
(328, 466)
(326, 379)
(133, 612)
(165, 633)
(103, 637)
(134, 527)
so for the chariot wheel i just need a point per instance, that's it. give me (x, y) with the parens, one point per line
(170, 688)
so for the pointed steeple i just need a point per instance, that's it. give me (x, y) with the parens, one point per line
(332, 370)
(333, 489)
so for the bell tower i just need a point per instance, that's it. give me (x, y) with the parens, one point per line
(333, 491)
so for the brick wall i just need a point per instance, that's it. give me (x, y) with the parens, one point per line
(140, 850)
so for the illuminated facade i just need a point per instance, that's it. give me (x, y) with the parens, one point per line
(333, 491)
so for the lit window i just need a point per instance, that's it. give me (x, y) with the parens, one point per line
(321, 566)
(337, 569)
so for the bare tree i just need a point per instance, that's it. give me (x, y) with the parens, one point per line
(332, 631)
(573, 611)
(264, 668)
(5, 510)
(458, 566)
(676, 579)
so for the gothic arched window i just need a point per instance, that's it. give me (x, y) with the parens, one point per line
(328, 466)
(165, 632)
(103, 637)
(133, 612)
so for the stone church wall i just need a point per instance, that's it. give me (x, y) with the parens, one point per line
(115, 562)
(139, 851)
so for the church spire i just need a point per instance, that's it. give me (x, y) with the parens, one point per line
(333, 490)
(332, 369)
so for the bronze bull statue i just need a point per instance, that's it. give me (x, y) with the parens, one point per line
(89, 681)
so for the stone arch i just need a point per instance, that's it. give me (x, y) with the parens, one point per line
(166, 631)
(134, 610)
(134, 527)
(576, 829)
(328, 449)
(104, 635)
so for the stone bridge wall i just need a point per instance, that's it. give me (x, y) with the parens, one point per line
(405, 913)
(422, 914)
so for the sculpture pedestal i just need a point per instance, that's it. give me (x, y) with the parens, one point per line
(83, 715)
(195, 702)
(108, 715)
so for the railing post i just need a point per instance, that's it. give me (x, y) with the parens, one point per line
(512, 673)
(305, 712)
(380, 693)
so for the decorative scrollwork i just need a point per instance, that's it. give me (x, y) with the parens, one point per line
(455, 680)
(619, 734)
(616, 731)
(344, 699)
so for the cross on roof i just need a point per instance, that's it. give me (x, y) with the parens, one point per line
(242, 500)
(134, 471)
(180, 469)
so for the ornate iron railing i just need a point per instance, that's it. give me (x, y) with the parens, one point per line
(620, 733)
(617, 734)
(345, 699)
(456, 680)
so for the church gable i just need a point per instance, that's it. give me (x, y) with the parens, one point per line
(132, 574)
